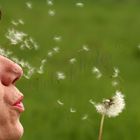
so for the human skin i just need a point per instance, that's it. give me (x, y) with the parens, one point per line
(11, 105)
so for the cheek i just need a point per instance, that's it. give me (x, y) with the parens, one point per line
(4, 113)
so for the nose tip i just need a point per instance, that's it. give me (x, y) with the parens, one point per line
(17, 70)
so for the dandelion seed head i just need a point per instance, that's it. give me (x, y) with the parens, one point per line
(111, 107)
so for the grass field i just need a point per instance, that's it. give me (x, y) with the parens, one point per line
(111, 31)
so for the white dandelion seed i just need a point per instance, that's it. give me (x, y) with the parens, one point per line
(50, 2)
(57, 38)
(97, 72)
(60, 75)
(27, 44)
(85, 117)
(60, 102)
(80, 4)
(56, 49)
(50, 53)
(15, 36)
(92, 102)
(14, 22)
(72, 60)
(72, 110)
(34, 44)
(138, 47)
(5, 53)
(21, 21)
(51, 12)
(85, 48)
(115, 83)
(29, 5)
(116, 72)
(111, 107)
(30, 72)
(40, 70)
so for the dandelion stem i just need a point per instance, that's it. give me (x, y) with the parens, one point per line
(101, 127)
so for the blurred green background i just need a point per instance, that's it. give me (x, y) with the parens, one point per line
(111, 30)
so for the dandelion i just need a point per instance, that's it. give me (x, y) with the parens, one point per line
(111, 108)
(85, 116)
(116, 72)
(97, 72)
(60, 102)
(72, 60)
(80, 4)
(51, 12)
(60, 75)
(72, 110)
(29, 5)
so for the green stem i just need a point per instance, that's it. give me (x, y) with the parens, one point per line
(101, 127)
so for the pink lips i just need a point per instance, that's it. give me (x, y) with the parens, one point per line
(18, 105)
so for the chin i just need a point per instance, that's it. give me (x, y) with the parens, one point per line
(18, 131)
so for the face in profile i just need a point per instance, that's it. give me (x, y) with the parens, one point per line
(11, 105)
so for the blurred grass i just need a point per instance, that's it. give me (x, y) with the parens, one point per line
(111, 30)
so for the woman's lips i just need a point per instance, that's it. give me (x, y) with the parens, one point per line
(18, 105)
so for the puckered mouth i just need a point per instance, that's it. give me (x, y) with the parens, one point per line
(18, 105)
